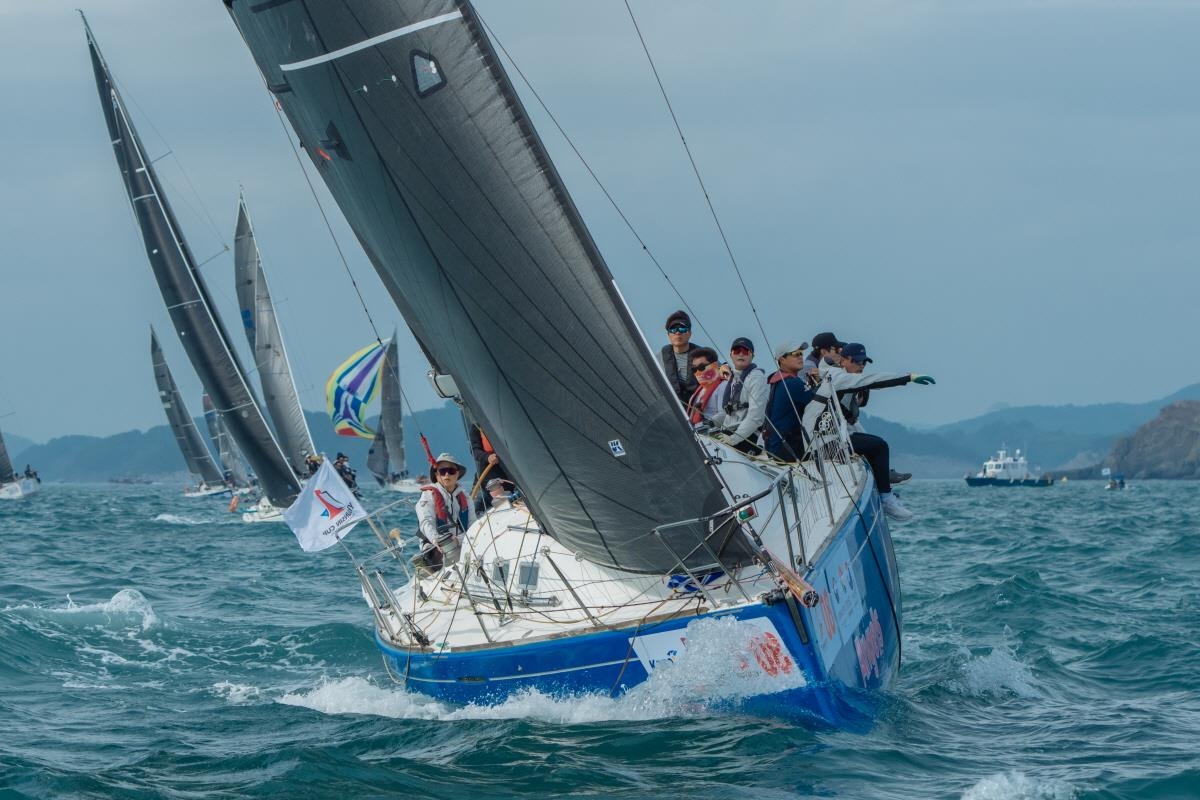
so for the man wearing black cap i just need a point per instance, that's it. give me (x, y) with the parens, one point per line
(676, 356)
(826, 349)
(745, 401)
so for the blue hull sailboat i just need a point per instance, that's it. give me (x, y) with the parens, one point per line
(638, 551)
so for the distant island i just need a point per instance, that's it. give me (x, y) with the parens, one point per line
(1167, 446)
(1158, 439)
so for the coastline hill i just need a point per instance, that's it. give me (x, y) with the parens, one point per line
(1068, 439)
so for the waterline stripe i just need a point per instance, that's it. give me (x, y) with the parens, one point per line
(374, 40)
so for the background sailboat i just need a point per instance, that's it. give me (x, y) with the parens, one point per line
(13, 486)
(187, 298)
(385, 459)
(195, 453)
(227, 449)
(266, 342)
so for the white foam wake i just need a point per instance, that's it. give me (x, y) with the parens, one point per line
(179, 519)
(1016, 786)
(718, 666)
(125, 603)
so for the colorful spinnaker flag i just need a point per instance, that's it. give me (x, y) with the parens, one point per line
(324, 511)
(351, 387)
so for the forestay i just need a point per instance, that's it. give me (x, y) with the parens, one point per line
(416, 129)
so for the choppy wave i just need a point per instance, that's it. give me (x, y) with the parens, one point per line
(155, 650)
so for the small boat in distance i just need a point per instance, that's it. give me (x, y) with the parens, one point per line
(1003, 469)
(15, 485)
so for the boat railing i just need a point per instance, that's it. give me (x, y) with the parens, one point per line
(794, 513)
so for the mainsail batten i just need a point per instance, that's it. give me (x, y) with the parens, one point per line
(195, 453)
(493, 269)
(200, 331)
(266, 343)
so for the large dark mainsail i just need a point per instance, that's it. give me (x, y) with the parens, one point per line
(408, 115)
(195, 453)
(266, 343)
(388, 448)
(199, 328)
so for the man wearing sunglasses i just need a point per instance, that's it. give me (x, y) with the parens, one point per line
(676, 356)
(745, 402)
(443, 513)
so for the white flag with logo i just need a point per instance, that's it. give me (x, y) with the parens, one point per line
(1106, 472)
(325, 510)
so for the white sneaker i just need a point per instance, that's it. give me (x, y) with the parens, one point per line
(893, 507)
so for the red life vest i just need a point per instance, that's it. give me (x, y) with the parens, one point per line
(443, 513)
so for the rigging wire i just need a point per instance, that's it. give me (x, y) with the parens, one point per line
(342, 256)
(204, 212)
(696, 170)
(596, 178)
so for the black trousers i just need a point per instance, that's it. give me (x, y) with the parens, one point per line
(875, 451)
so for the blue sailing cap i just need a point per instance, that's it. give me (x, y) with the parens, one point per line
(856, 352)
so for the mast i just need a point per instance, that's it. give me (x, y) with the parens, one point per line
(195, 453)
(266, 343)
(410, 119)
(187, 298)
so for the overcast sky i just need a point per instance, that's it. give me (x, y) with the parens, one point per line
(1003, 194)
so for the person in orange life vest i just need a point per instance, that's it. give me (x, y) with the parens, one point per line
(705, 403)
(485, 456)
(443, 512)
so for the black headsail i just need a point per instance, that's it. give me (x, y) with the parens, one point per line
(195, 453)
(187, 298)
(412, 122)
(6, 468)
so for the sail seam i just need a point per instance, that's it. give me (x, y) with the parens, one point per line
(369, 43)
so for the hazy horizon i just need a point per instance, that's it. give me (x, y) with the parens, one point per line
(1000, 195)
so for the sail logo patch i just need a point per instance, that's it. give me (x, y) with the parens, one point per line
(333, 507)
(617, 448)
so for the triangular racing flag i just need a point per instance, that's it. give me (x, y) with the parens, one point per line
(325, 510)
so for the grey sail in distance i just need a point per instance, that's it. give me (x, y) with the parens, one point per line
(266, 343)
(203, 336)
(195, 453)
(227, 450)
(386, 456)
(6, 467)
(412, 122)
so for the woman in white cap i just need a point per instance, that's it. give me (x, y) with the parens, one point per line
(443, 512)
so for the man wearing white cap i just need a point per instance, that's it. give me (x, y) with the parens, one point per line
(443, 512)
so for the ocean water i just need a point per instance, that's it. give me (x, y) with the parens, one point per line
(152, 646)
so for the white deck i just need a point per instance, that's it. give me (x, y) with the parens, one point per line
(513, 584)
